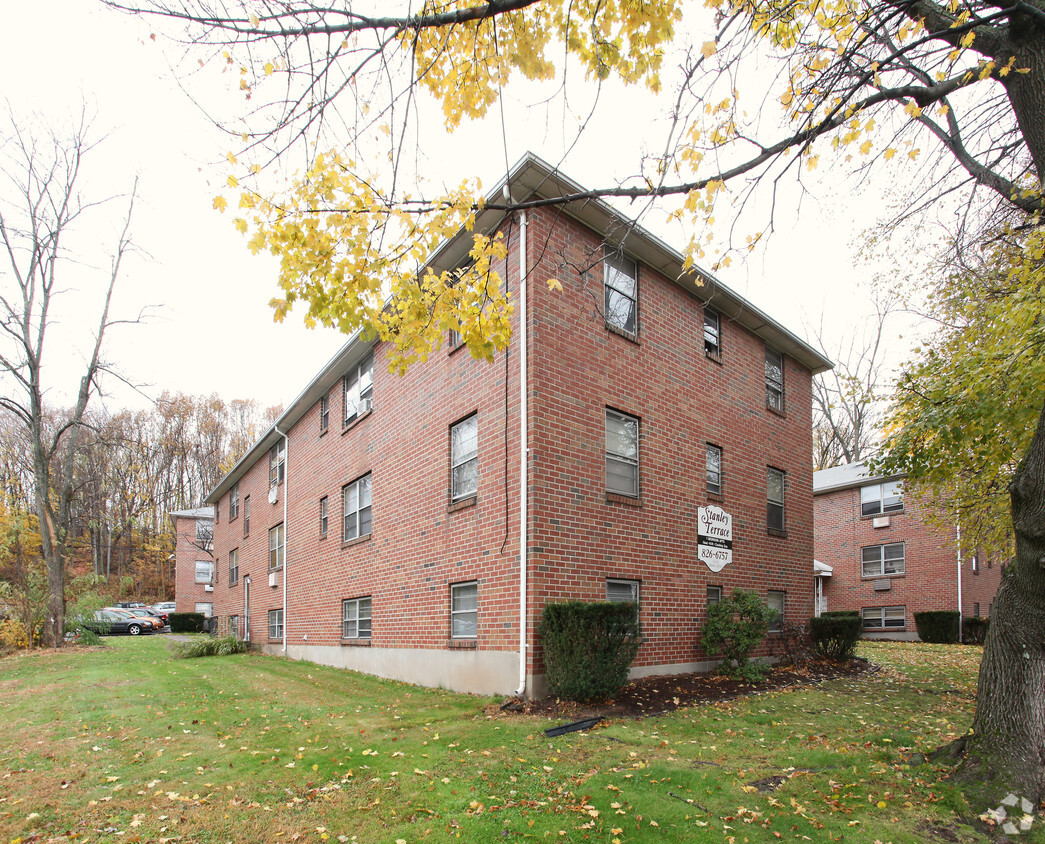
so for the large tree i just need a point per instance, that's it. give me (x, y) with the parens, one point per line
(955, 88)
(40, 207)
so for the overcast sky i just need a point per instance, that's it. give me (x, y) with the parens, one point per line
(212, 330)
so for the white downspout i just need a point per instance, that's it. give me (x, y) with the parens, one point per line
(958, 534)
(286, 533)
(523, 452)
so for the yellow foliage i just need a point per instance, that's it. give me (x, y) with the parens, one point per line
(12, 635)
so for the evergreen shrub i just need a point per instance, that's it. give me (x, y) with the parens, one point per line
(937, 626)
(835, 635)
(735, 626)
(588, 648)
(974, 630)
(187, 622)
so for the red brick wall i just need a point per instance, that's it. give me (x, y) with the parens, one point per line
(420, 545)
(187, 592)
(929, 581)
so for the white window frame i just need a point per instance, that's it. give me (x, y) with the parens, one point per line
(464, 454)
(207, 576)
(775, 597)
(356, 618)
(617, 271)
(879, 561)
(277, 547)
(713, 476)
(205, 533)
(884, 618)
(714, 595)
(619, 457)
(277, 463)
(774, 380)
(275, 619)
(357, 500)
(622, 591)
(464, 610)
(358, 389)
(234, 501)
(324, 412)
(712, 333)
(246, 515)
(324, 515)
(233, 566)
(873, 498)
(204, 607)
(773, 504)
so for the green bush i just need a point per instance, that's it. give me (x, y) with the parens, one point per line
(937, 626)
(735, 626)
(974, 630)
(210, 646)
(588, 648)
(835, 635)
(187, 622)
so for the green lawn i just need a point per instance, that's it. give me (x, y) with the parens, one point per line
(124, 743)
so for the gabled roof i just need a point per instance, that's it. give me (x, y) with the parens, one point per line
(533, 179)
(193, 513)
(847, 476)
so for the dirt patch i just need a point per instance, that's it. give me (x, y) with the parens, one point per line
(668, 692)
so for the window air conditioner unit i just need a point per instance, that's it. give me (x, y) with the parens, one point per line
(272, 578)
(365, 405)
(273, 494)
(881, 522)
(208, 588)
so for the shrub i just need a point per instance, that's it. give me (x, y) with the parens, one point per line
(937, 626)
(974, 630)
(588, 648)
(835, 636)
(735, 626)
(839, 613)
(12, 636)
(187, 622)
(793, 644)
(210, 646)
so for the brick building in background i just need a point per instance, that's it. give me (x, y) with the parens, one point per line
(194, 560)
(379, 525)
(887, 561)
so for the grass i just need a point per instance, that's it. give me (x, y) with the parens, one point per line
(125, 743)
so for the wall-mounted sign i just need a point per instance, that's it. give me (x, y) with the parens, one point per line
(714, 537)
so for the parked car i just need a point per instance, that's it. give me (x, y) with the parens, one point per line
(142, 615)
(110, 622)
(164, 606)
(154, 613)
(130, 605)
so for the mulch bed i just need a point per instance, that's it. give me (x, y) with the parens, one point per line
(668, 692)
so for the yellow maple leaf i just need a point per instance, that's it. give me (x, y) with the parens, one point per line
(555, 284)
(220, 203)
(912, 109)
(709, 49)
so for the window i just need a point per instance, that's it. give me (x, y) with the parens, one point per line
(624, 592)
(975, 563)
(205, 533)
(464, 610)
(976, 610)
(622, 454)
(277, 547)
(276, 624)
(775, 601)
(233, 566)
(713, 469)
(884, 618)
(246, 515)
(621, 293)
(712, 334)
(455, 338)
(234, 502)
(882, 560)
(881, 498)
(359, 388)
(234, 626)
(714, 595)
(357, 509)
(277, 463)
(204, 571)
(355, 619)
(774, 380)
(324, 412)
(775, 499)
(464, 458)
(323, 516)
(206, 610)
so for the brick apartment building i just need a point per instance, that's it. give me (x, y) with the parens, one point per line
(194, 583)
(887, 561)
(380, 524)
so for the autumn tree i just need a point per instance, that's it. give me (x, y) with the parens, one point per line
(40, 206)
(948, 96)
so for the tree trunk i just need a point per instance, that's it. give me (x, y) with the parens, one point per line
(1006, 752)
